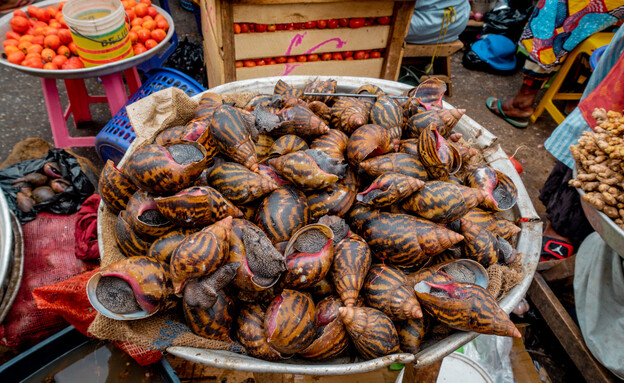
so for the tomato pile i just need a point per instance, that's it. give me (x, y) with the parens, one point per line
(356, 22)
(39, 37)
(328, 56)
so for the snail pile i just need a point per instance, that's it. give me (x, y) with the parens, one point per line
(39, 187)
(309, 224)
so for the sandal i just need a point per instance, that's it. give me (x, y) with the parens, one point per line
(494, 105)
(555, 248)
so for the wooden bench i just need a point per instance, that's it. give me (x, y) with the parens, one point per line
(415, 53)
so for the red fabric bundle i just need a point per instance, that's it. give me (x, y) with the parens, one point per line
(86, 229)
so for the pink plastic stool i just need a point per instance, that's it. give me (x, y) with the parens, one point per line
(79, 100)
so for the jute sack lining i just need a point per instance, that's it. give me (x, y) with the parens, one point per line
(149, 116)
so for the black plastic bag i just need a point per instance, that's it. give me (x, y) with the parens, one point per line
(67, 202)
(188, 58)
(507, 20)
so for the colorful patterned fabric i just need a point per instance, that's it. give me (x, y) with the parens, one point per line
(557, 26)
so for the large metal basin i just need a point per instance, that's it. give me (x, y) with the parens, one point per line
(528, 245)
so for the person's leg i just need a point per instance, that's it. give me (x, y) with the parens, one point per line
(521, 105)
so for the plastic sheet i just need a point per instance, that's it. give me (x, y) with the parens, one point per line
(492, 353)
(67, 202)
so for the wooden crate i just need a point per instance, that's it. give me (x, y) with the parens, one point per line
(222, 48)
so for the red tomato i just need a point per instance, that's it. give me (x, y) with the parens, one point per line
(249, 63)
(271, 62)
(357, 22)
(313, 57)
(252, 27)
(321, 24)
(239, 64)
(260, 62)
(244, 28)
(384, 20)
(337, 56)
(291, 60)
(332, 23)
(302, 58)
(281, 59)
(343, 22)
(237, 28)
(271, 28)
(298, 25)
(359, 55)
(326, 56)
(366, 56)
(375, 54)
(309, 24)
(369, 21)
(349, 58)
(261, 27)
(281, 27)
(347, 54)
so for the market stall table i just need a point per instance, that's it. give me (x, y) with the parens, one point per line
(79, 99)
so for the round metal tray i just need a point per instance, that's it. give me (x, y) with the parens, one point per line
(100, 70)
(528, 245)
(6, 244)
(14, 279)
(604, 226)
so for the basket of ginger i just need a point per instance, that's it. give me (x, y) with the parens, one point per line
(599, 175)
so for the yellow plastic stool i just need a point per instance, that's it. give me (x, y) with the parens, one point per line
(588, 46)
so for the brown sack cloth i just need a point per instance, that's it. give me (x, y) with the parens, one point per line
(150, 115)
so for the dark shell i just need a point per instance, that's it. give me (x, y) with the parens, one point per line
(298, 120)
(132, 288)
(487, 220)
(334, 143)
(465, 306)
(213, 323)
(239, 184)
(287, 144)
(309, 256)
(389, 188)
(144, 217)
(115, 188)
(348, 114)
(501, 191)
(196, 206)
(302, 170)
(387, 289)
(417, 124)
(320, 86)
(263, 145)
(282, 212)
(286, 91)
(440, 157)
(208, 103)
(331, 339)
(372, 332)
(163, 247)
(386, 112)
(167, 169)
(250, 332)
(479, 244)
(429, 93)
(261, 264)
(411, 333)
(443, 202)
(352, 259)
(233, 137)
(200, 254)
(402, 239)
(321, 110)
(395, 163)
(290, 322)
(336, 199)
(129, 242)
(369, 141)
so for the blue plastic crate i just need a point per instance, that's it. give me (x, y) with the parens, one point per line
(114, 139)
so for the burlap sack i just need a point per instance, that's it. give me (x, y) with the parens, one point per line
(503, 277)
(149, 116)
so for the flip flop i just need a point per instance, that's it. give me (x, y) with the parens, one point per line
(554, 248)
(516, 122)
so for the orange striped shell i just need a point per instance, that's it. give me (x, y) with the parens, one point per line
(239, 184)
(352, 259)
(387, 289)
(115, 188)
(250, 332)
(213, 323)
(282, 212)
(290, 322)
(372, 332)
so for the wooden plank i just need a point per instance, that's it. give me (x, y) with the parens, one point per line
(428, 50)
(213, 54)
(567, 332)
(561, 270)
(291, 43)
(209, 18)
(523, 369)
(394, 52)
(227, 33)
(356, 68)
(301, 12)
(426, 374)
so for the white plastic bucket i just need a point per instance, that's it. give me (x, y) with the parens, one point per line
(99, 30)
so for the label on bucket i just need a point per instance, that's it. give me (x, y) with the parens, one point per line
(104, 48)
